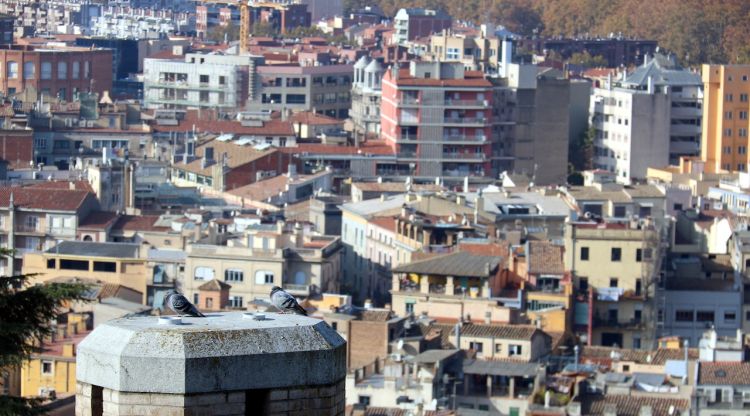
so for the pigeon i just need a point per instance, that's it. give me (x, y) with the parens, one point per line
(180, 305)
(285, 301)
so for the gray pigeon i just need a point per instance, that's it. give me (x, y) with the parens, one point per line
(180, 305)
(286, 302)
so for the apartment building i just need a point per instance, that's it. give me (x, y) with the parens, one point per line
(725, 125)
(197, 80)
(437, 117)
(366, 94)
(322, 89)
(115, 263)
(35, 219)
(50, 17)
(55, 71)
(138, 23)
(649, 118)
(477, 53)
(615, 268)
(413, 23)
(283, 255)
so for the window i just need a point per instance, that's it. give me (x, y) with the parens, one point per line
(263, 277)
(728, 132)
(233, 275)
(584, 253)
(638, 254)
(29, 70)
(62, 70)
(583, 284)
(409, 307)
(704, 316)
(204, 79)
(203, 273)
(743, 115)
(514, 349)
(105, 266)
(51, 263)
(364, 400)
(728, 115)
(728, 97)
(616, 254)
(613, 282)
(730, 316)
(636, 342)
(235, 301)
(47, 367)
(87, 70)
(222, 80)
(31, 223)
(476, 346)
(209, 303)
(67, 264)
(743, 98)
(498, 348)
(683, 316)
(196, 299)
(76, 69)
(12, 69)
(46, 70)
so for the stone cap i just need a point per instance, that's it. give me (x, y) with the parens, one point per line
(222, 352)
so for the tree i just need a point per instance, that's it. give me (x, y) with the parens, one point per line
(581, 152)
(585, 59)
(218, 33)
(263, 29)
(26, 313)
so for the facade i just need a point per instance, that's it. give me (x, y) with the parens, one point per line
(632, 130)
(477, 53)
(55, 71)
(366, 93)
(438, 119)
(321, 89)
(281, 17)
(725, 123)
(618, 51)
(199, 80)
(410, 24)
(265, 256)
(124, 22)
(35, 219)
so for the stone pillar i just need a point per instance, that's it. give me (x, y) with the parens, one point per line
(485, 289)
(449, 288)
(512, 387)
(227, 363)
(489, 386)
(424, 284)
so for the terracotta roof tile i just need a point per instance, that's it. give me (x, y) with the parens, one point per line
(205, 123)
(627, 405)
(376, 316)
(544, 257)
(471, 79)
(138, 223)
(98, 220)
(308, 117)
(76, 185)
(724, 373)
(375, 147)
(43, 199)
(214, 286)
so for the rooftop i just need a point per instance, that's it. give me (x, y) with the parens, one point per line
(627, 405)
(724, 373)
(458, 264)
(90, 249)
(43, 199)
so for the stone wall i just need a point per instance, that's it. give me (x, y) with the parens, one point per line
(297, 401)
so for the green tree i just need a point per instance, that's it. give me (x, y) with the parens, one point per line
(263, 29)
(26, 313)
(218, 33)
(581, 152)
(585, 59)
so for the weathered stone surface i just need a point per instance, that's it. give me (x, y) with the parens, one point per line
(224, 352)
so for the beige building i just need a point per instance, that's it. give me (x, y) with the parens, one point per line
(478, 53)
(459, 285)
(266, 255)
(613, 266)
(113, 263)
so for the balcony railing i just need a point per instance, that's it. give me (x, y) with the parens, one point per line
(405, 101)
(408, 287)
(464, 156)
(463, 138)
(29, 229)
(466, 103)
(465, 120)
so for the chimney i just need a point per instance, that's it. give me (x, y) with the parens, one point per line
(488, 317)
(650, 85)
(292, 171)
(507, 51)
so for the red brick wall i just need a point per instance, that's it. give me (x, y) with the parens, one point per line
(367, 341)
(99, 78)
(17, 147)
(246, 174)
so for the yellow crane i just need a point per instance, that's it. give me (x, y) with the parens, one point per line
(244, 19)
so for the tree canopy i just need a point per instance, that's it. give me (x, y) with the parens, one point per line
(26, 316)
(697, 31)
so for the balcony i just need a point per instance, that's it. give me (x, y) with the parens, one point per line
(607, 322)
(477, 157)
(408, 102)
(181, 85)
(465, 120)
(462, 138)
(28, 229)
(467, 103)
(297, 290)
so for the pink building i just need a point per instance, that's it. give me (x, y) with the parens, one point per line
(438, 119)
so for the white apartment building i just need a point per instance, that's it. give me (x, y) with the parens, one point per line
(366, 94)
(196, 80)
(648, 118)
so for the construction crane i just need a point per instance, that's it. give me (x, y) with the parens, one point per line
(244, 6)
(244, 25)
